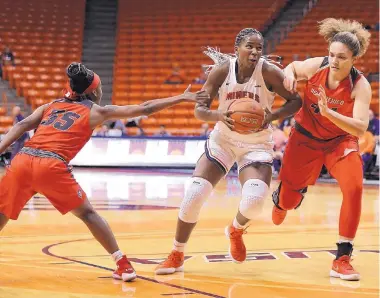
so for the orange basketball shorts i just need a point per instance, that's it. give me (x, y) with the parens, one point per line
(304, 157)
(28, 175)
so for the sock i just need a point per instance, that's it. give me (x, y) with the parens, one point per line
(117, 255)
(236, 225)
(345, 241)
(344, 248)
(178, 246)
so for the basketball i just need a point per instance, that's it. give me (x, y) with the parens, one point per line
(248, 115)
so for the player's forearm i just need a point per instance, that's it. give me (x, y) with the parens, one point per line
(288, 109)
(13, 135)
(353, 126)
(156, 105)
(143, 109)
(204, 113)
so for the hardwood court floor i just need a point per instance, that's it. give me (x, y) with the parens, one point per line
(44, 254)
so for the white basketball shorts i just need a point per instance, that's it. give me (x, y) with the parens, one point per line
(225, 152)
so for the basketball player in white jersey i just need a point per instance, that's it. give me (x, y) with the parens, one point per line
(245, 75)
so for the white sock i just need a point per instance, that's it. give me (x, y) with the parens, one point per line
(178, 246)
(345, 241)
(236, 224)
(117, 255)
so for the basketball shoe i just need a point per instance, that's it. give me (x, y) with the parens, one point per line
(342, 269)
(278, 215)
(237, 249)
(341, 266)
(124, 270)
(173, 263)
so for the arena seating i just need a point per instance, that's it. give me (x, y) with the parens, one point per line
(148, 44)
(305, 42)
(45, 36)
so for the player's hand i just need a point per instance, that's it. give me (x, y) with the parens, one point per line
(200, 97)
(290, 84)
(226, 119)
(276, 60)
(322, 101)
(268, 118)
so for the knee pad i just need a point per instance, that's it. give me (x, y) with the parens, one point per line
(196, 194)
(253, 195)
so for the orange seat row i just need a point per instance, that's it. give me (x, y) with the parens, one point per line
(305, 39)
(149, 43)
(45, 37)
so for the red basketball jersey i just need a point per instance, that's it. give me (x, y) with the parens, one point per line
(338, 99)
(64, 129)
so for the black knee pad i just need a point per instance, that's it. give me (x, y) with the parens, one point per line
(276, 196)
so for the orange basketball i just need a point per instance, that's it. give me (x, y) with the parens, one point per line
(248, 115)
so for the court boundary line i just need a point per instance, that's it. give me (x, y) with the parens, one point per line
(46, 250)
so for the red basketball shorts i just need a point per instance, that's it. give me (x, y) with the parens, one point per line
(28, 175)
(304, 157)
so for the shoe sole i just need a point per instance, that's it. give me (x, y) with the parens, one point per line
(227, 233)
(350, 277)
(166, 271)
(125, 276)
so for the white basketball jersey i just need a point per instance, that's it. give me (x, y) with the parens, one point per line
(256, 89)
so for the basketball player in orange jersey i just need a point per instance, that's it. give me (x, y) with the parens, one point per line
(335, 112)
(63, 128)
(247, 74)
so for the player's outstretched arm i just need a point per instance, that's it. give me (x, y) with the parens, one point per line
(101, 114)
(299, 71)
(29, 123)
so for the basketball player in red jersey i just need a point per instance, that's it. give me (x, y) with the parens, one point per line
(63, 128)
(335, 112)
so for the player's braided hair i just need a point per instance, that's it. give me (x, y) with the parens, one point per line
(219, 58)
(245, 33)
(80, 77)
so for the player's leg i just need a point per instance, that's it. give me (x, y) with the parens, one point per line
(210, 168)
(97, 225)
(66, 195)
(301, 166)
(348, 172)
(206, 175)
(15, 189)
(102, 232)
(255, 177)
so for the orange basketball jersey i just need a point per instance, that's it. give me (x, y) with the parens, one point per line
(64, 129)
(338, 99)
